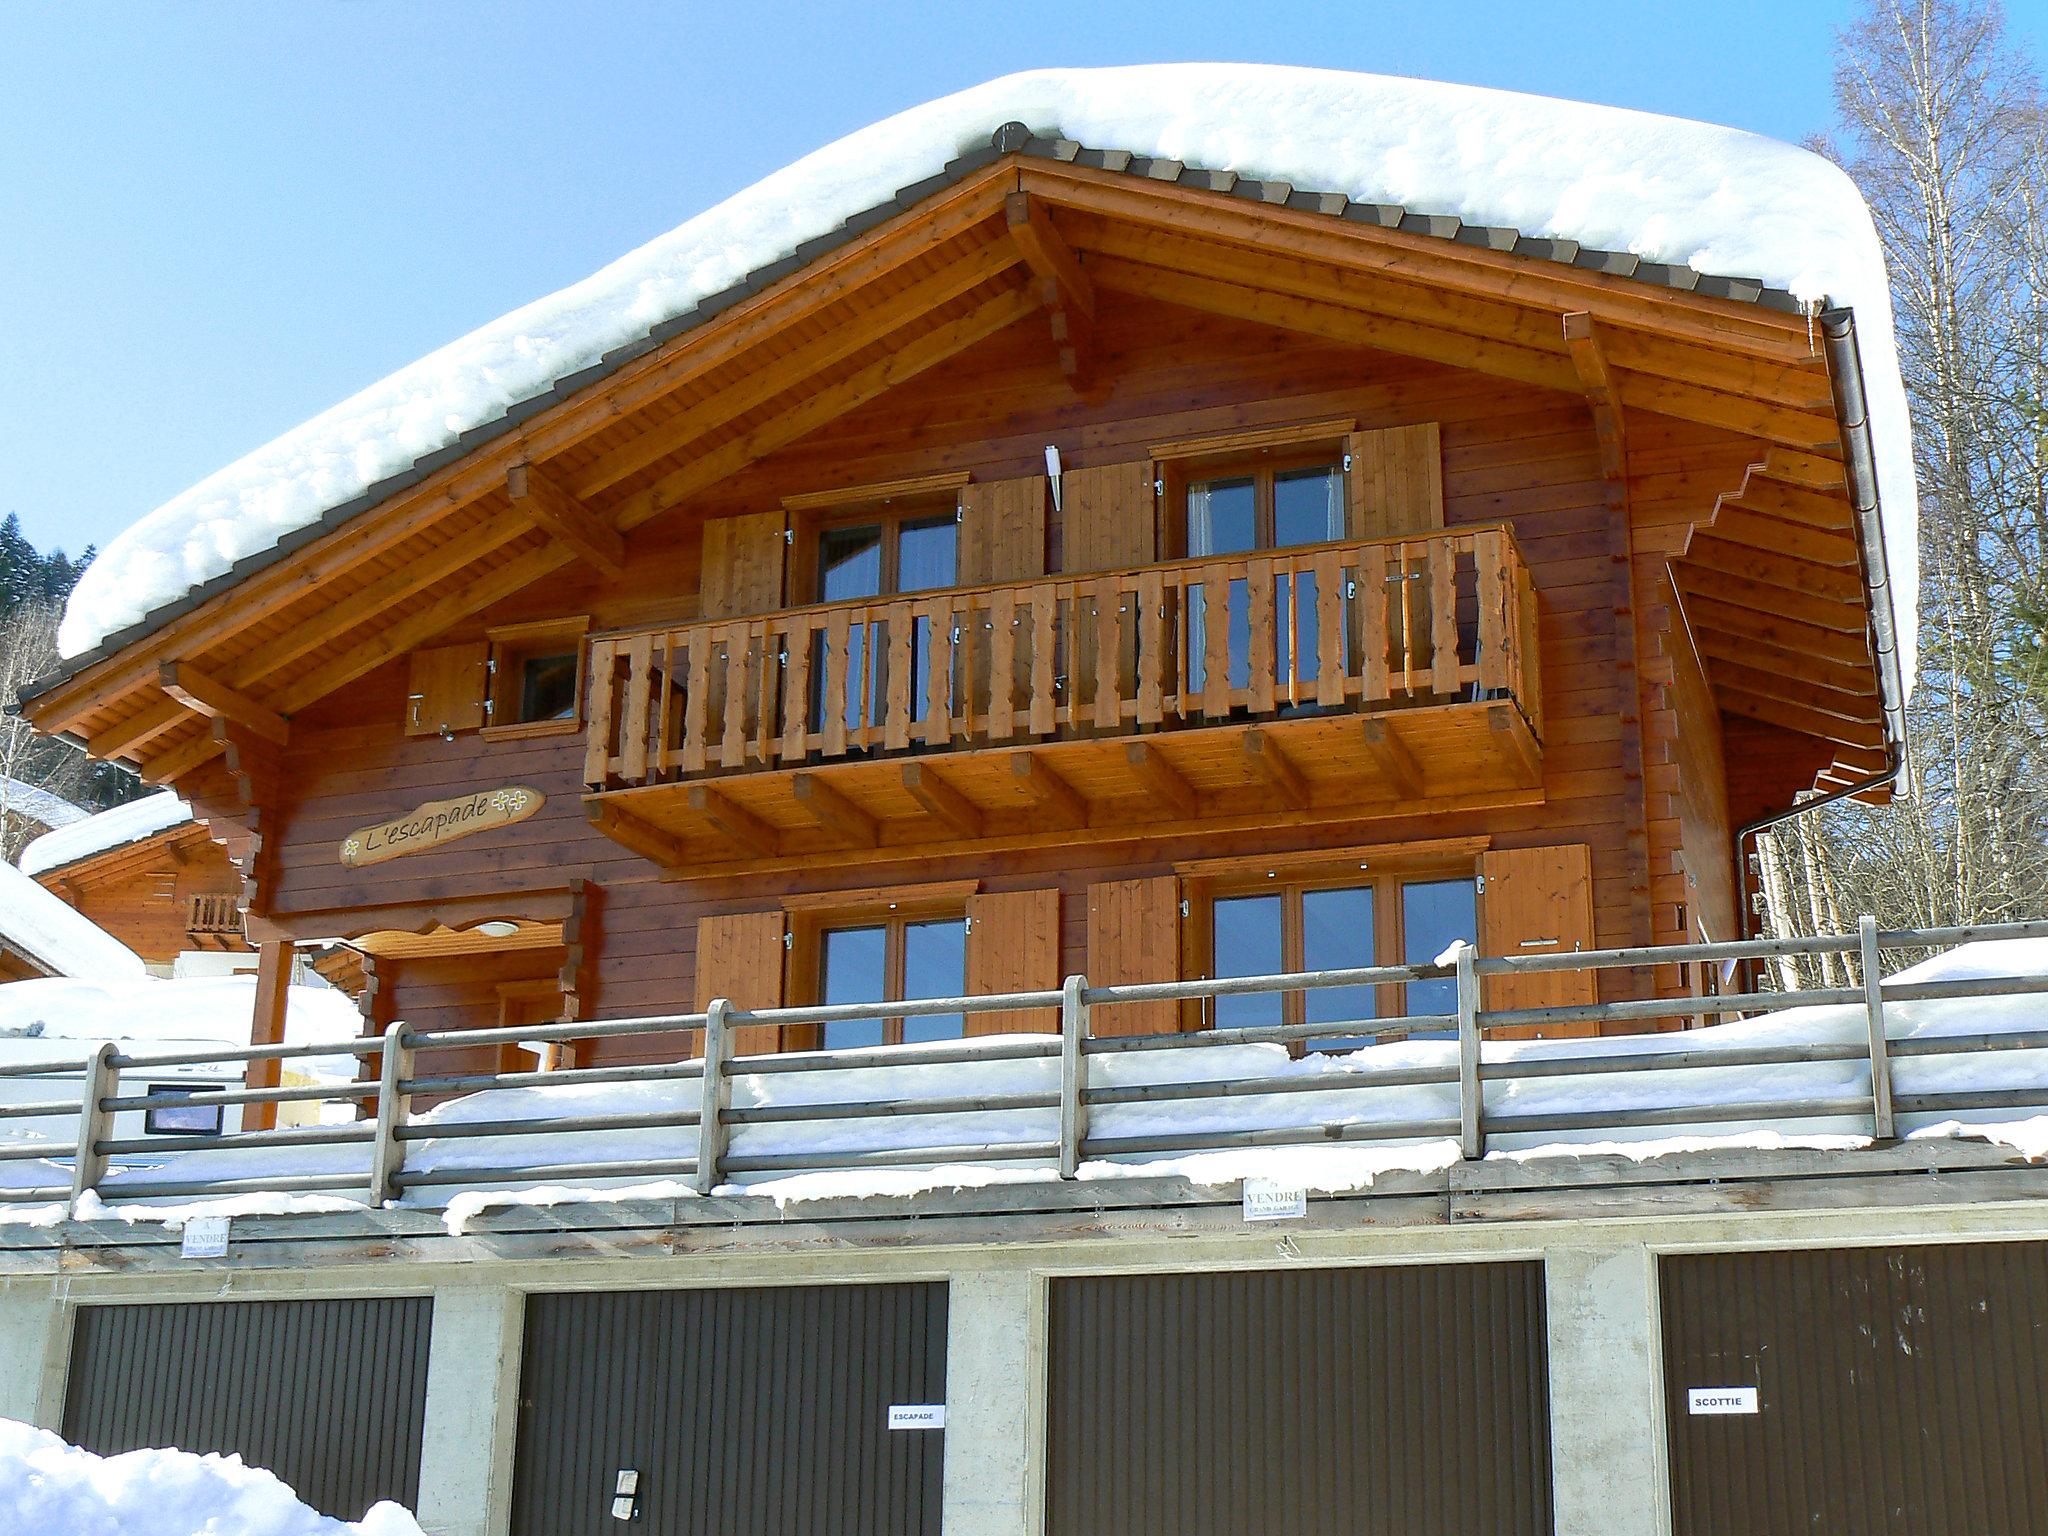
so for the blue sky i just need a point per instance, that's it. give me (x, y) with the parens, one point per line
(217, 219)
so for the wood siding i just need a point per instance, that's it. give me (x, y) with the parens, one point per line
(1508, 452)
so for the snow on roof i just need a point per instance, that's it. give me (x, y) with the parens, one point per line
(55, 936)
(1723, 202)
(58, 1489)
(34, 803)
(110, 829)
(62, 1019)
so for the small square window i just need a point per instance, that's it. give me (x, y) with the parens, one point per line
(194, 1118)
(547, 688)
(537, 676)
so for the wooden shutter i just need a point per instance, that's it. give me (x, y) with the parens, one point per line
(1107, 517)
(1538, 901)
(1396, 483)
(447, 689)
(1002, 531)
(742, 567)
(1013, 945)
(739, 958)
(1133, 936)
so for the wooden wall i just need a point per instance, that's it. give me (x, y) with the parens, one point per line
(141, 893)
(1510, 452)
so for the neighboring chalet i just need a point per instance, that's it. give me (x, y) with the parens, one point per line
(27, 811)
(1143, 526)
(149, 872)
(41, 936)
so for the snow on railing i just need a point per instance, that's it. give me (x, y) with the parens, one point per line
(1852, 1060)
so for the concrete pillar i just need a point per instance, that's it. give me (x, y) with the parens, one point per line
(995, 1396)
(1606, 1393)
(34, 1343)
(472, 1412)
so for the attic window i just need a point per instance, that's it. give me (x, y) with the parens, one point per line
(537, 677)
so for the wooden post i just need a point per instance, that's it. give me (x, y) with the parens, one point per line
(273, 989)
(711, 1129)
(1471, 1130)
(95, 1124)
(1880, 1047)
(394, 1108)
(1073, 1075)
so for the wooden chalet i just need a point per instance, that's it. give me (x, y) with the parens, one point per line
(169, 892)
(1083, 564)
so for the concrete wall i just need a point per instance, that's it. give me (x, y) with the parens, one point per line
(1607, 1402)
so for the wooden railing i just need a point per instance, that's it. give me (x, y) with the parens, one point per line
(1358, 626)
(213, 914)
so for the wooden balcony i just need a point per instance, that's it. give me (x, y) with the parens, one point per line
(1307, 684)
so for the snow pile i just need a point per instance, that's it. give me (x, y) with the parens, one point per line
(115, 828)
(1351, 1089)
(61, 1021)
(55, 936)
(51, 1488)
(1725, 203)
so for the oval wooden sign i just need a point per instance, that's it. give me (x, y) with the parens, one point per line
(440, 821)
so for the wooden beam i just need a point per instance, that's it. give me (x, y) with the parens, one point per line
(1793, 718)
(1161, 779)
(1272, 767)
(1775, 684)
(1391, 756)
(829, 402)
(833, 811)
(170, 765)
(138, 730)
(1064, 289)
(216, 701)
(1710, 613)
(1794, 504)
(1738, 525)
(634, 834)
(1053, 795)
(769, 379)
(942, 801)
(266, 1027)
(735, 823)
(1750, 651)
(1515, 743)
(1596, 382)
(1706, 551)
(1769, 599)
(536, 497)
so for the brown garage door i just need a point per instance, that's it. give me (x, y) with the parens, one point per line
(761, 1411)
(1301, 1402)
(1896, 1390)
(329, 1395)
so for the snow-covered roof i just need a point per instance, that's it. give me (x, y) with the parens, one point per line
(1689, 195)
(62, 1019)
(107, 830)
(33, 803)
(61, 940)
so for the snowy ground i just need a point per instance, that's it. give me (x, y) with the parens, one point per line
(50, 1488)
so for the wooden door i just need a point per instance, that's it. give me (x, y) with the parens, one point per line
(447, 687)
(742, 565)
(1538, 901)
(529, 1002)
(1013, 945)
(1134, 936)
(740, 958)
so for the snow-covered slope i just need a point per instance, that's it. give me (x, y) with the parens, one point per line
(122, 824)
(57, 937)
(1726, 203)
(51, 1488)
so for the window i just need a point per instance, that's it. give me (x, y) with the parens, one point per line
(886, 962)
(537, 676)
(191, 1119)
(1262, 508)
(1271, 924)
(875, 554)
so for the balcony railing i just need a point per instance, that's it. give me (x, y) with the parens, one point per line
(1359, 626)
(1821, 1061)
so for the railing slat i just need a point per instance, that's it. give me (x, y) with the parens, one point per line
(1002, 664)
(639, 688)
(1331, 662)
(597, 737)
(697, 703)
(1152, 647)
(900, 669)
(1109, 653)
(1489, 557)
(938, 700)
(1043, 600)
(1214, 608)
(1262, 660)
(1443, 614)
(832, 703)
(1375, 624)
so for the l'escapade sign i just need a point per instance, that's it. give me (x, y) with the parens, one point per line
(440, 821)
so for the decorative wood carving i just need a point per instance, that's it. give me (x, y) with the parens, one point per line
(439, 822)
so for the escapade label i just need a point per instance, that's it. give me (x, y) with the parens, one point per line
(440, 821)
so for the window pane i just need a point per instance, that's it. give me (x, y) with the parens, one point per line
(1433, 914)
(1222, 517)
(935, 965)
(1308, 506)
(1336, 934)
(853, 968)
(1247, 943)
(547, 688)
(849, 563)
(929, 554)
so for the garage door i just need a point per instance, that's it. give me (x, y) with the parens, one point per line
(1305, 1402)
(762, 1411)
(329, 1395)
(1864, 1389)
